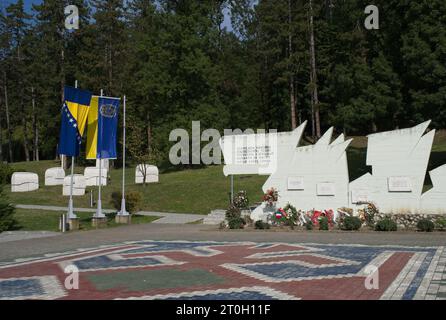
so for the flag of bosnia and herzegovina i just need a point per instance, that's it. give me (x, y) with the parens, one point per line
(73, 120)
(102, 128)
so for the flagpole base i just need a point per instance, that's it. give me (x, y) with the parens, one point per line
(99, 222)
(99, 214)
(73, 224)
(121, 219)
(70, 213)
(123, 211)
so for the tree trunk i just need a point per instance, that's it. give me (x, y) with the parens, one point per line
(35, 129)
(291, 80)
(8, 122)
(25, 127)
(1, 131)
(313, 76)
(149, 132)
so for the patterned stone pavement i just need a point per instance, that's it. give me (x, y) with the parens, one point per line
(231, 270)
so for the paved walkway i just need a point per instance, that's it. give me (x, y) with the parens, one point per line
(236, 270)
(169, 218)
(9, 236)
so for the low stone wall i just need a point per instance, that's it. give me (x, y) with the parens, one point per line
(409, 221)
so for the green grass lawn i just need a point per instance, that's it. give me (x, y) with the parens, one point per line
(40, 220)
(190, 191)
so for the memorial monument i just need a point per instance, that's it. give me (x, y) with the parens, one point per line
(317, 177)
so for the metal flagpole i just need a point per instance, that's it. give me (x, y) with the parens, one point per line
(123, 211)
(99, 213)
(70, 213)
(232, 189)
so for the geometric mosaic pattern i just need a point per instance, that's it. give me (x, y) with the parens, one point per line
(231, 271)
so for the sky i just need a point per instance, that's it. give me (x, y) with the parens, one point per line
(28, 4)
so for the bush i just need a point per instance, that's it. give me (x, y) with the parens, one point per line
(260, 225)
(309, 225)
(323, 223)
(236, 223)
(233, 212)
(241, 200)
(5, 173)
(425, 225)
(386, 225)
(132, 201)
(7, 221)
(441, 224)
(351, 223)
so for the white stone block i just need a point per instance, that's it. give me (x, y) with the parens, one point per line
(151, 172)
(91, 175)
(54, 176)
(24, 182)
(105, 163)
(79, 185)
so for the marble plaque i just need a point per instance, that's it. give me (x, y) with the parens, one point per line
(326, 189)
(400, 184)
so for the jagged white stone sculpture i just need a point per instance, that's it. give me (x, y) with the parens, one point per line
(434, 200)
(316, 176)
(313, 177)
(24, 182)
(399, 161)
(54, 176)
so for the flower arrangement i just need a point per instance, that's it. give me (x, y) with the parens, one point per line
(367, 215)
(241, 200)
(316, 216)
(270, 197)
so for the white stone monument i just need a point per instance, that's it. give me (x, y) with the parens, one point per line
(151, 173)
(434, 200)
(316, 176)
(91, 175)
(258, 153)
(312, 177)
(399, 161)
(24, 182)
(54, 176)
(79, 185)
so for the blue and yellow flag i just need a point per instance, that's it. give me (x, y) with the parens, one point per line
(73, 120)
(102, 128)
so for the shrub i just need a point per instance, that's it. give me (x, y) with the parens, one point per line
(425, 225)
(351, 223)
(132, 201)
(386, 224)
(236, 223)
(241, 200)
(233, 212)
(7, 221)
(247, 220)
(5, 173)
(260, 225)
(323, 223)
(441, 224)
(309, 225)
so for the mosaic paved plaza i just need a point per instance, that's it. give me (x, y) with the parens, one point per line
(232, 271)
